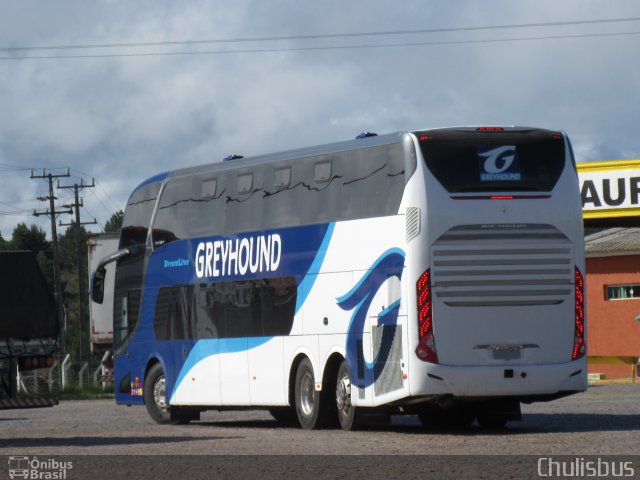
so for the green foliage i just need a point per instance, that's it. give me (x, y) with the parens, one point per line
(86, 393)
(114, 224)
(31, 238)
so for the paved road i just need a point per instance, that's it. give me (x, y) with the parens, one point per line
(605, 420)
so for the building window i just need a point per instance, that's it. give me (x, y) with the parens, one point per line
(622, 292)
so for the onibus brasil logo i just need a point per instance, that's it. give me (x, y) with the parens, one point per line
(35, 468)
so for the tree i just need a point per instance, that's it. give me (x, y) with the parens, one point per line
(31, 238)
(69, 280)
(114, 224)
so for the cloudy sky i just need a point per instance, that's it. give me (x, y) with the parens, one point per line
(136, 88)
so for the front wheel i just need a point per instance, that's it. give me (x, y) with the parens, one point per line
(347, 413)
(155, 395)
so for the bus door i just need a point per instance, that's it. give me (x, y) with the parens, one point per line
(126, 313)
(181, 320)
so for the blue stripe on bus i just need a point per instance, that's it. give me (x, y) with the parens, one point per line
(389, 264)
(207, 347)
(304, 288)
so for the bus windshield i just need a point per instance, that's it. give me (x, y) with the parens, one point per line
(472, 161)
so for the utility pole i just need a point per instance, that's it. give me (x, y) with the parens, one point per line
(52, 213)
(82, 331)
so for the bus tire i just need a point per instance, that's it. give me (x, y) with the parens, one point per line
(347, 413)
(434, 417)
(308, 399)
(155, 395)
(491, 420)
(495, 414)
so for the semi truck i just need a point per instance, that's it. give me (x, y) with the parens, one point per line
(100, 245)
(29, 329)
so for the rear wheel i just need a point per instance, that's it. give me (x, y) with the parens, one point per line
(491, 420)
(496, 413)
(347, 413)
(450, 417)
(308, 399)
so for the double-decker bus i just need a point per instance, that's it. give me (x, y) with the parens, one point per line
(435, 272)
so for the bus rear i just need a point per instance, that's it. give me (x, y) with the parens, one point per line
(498, 266)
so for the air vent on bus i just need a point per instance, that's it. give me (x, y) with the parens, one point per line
(413, 223)
(502, 265)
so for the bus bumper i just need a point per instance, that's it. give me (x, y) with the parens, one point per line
(503, 380)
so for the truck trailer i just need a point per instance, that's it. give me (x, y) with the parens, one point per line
(29, 327)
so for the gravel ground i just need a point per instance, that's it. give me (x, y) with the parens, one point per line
(605, 420)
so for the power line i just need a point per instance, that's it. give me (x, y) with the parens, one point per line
(107, 196)
(320, 36)
(334, 47)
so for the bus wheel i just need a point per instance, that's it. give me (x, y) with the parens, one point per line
(435, 417)
(491, 420)
(347, 413)
(495, 414)
(307, 398)
(155, 395)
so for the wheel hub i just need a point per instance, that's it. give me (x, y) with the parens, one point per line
(307, 394)
(343, 393)
(159, 393)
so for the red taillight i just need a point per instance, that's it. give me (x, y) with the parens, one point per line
(424, 138)
(579, 345)
(501, 197)
(490, 129)
(426, 349)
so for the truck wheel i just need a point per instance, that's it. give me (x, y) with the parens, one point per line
(347, 413)
(155, 395)
(307, 398)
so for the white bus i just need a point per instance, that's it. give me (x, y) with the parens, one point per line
(436, 272)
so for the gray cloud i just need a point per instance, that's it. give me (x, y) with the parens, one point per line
(123, 119)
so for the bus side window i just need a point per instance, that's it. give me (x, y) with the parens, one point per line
(240, 308)
(278, 305)
(161, 319)
(121, 320)
(208, 315)
(126, 311)
(181, 313)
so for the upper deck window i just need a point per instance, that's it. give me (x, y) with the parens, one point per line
(494, 161)
(137, 217)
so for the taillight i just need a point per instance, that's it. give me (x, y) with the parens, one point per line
(579, 345)
(426, 349)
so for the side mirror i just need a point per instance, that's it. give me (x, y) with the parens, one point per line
(97, 285)
(97, 281)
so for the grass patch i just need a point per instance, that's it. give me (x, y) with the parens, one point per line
(86, 393)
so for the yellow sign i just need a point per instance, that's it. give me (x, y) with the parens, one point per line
(610, 189)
